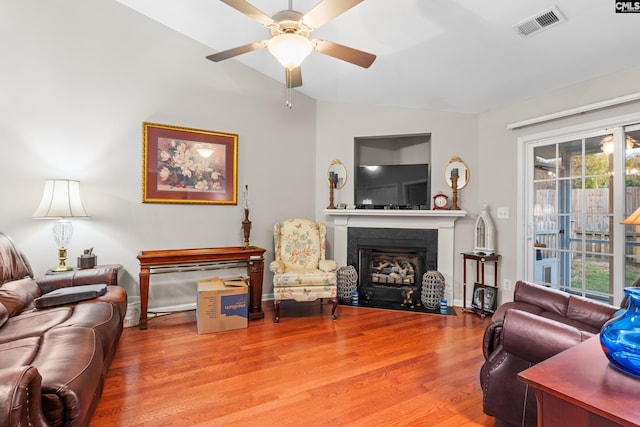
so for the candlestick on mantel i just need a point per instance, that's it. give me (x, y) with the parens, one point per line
(454, 187)
(333, 181)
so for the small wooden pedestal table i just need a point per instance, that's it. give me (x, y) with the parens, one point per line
(579, 388)
(253, 257)
(480, 261)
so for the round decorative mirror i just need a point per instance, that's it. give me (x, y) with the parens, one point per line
(457, 167)
(339, 171)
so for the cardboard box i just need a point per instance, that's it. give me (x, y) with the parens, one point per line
(223, 304)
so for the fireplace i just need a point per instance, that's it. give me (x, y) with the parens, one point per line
(391, 261)
(395, 221)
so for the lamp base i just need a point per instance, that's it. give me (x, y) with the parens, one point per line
(62, 258)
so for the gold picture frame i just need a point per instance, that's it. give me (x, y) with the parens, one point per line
(192, 166)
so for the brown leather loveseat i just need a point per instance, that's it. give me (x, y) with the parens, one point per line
(53, 361)
(540, 323)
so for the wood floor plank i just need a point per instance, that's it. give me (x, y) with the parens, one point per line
(371, 367)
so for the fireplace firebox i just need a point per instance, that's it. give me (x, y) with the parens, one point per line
(391, 261)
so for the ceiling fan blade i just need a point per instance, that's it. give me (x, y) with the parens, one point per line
(250, 10)
(221, 56)
(349, 54)
(293, 77)
(326, 10)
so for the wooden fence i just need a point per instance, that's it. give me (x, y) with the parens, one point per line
(593, 226)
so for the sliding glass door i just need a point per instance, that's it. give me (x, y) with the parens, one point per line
(580, 187)
(632, 202)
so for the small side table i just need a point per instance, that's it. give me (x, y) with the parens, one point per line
(117, 267)
(579, 387)
(480, 261)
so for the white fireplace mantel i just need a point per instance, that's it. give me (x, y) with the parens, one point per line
(441, 220)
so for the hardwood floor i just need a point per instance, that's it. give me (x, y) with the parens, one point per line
(371, 367)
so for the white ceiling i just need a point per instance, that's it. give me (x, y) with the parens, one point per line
(450, 55)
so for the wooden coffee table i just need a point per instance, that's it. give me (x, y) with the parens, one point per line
(578, 387)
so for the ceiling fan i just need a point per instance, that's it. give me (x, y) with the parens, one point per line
(290, 31)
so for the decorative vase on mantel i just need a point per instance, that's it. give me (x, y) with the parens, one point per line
(620, 336)
(246, 229)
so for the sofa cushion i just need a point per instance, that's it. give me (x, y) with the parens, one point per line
(18, 352)
(12, 265)
(18, 295)
(584, 327)
(547, 299)
(590, 312)
(102, 317)
(33, 323)
(4, 315)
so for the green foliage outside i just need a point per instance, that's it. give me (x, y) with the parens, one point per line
(597, 275)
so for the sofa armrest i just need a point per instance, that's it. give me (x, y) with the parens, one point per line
(21, 397)
(89, 276)
(492, 338)
(534, 338)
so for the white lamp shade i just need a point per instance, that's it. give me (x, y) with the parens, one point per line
(290, 49)
(61, 199)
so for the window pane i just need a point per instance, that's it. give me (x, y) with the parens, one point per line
(598, 162)
(632, 202)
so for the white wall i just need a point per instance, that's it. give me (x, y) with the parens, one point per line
(77, 81)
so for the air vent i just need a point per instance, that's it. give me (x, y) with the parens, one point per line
(539, 22)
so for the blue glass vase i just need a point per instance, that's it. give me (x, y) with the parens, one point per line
(620, 336)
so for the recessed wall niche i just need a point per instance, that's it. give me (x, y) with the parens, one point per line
(392, 171)
(392, 150)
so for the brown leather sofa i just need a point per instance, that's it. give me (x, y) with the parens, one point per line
(540, 323)
(53, 361)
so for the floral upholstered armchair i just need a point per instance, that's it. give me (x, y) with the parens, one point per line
(300, 270)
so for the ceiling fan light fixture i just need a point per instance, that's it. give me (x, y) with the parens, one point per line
(290, 49)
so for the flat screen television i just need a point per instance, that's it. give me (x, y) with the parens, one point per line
(399, 186)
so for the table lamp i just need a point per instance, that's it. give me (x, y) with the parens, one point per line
(61, 200)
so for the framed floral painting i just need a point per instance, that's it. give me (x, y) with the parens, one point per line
(182, 165)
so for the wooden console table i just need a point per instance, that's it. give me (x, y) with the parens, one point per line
(579, 388)
(156, 261)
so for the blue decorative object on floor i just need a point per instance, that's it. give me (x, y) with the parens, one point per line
(443, 306)
(620, 336)
(355, 298)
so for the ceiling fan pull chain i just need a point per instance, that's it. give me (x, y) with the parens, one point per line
(287, 89)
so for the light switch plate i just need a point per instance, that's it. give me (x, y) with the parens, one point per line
(503, 213)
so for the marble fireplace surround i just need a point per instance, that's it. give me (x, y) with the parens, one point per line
(441, 220)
